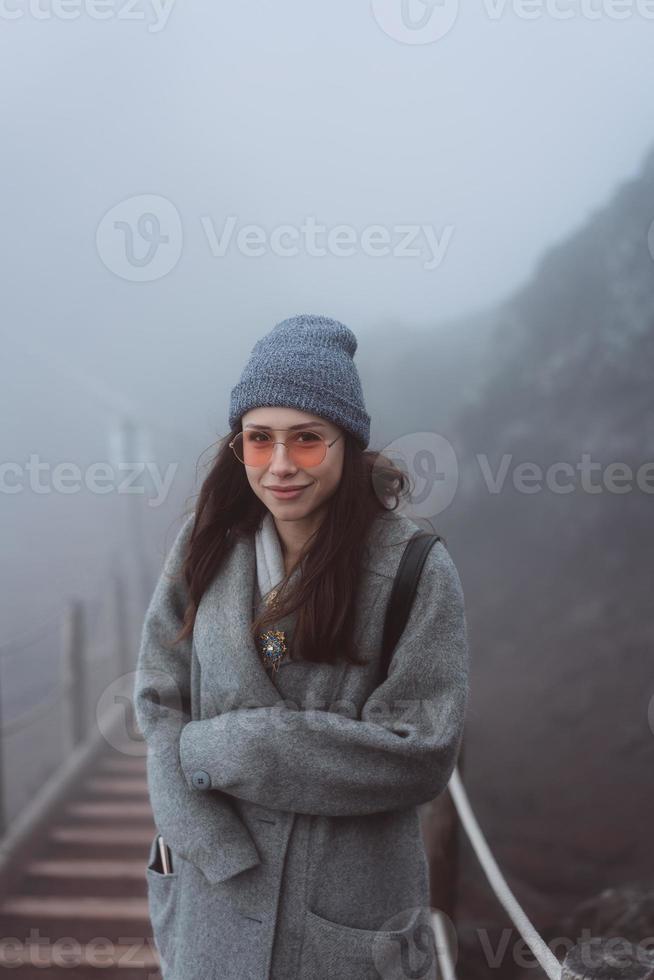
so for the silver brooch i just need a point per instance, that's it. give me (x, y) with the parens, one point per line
(272, 646)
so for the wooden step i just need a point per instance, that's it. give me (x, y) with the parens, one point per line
(98, 834)
(79, 908)
(99, 841)
(85, 868)
(123, 765)
(83, 918)
(112, 786)
(80, 876)
(106, 809)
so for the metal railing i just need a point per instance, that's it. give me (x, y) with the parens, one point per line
(51, 677)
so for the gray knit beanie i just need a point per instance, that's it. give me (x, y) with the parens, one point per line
(305, 362)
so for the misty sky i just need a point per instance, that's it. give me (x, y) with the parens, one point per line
(491, 143)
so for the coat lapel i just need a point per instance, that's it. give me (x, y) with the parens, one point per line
(232, 672)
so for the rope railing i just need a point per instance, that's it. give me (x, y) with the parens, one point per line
(497, 881)
(444, 955)
(595, 958)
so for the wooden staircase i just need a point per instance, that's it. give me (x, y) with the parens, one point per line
(79, 906)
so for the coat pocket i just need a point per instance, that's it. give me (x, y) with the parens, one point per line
(162, 902)
(331, 951)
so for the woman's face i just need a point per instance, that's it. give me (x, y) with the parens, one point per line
(319, 482)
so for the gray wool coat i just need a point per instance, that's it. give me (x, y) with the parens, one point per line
(293, 822)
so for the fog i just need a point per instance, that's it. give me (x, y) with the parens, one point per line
(472, 153)
(177, 178)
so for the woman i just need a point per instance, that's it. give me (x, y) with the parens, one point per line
(284, 773)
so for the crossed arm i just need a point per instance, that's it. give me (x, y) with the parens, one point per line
(400, 752)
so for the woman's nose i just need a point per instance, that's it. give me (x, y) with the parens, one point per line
(280, 460)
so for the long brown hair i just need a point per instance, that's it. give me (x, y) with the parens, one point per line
(326, 591)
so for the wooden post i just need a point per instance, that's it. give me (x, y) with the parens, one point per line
(3, 815)
(604, 958)
(120, 625)
(74, 668)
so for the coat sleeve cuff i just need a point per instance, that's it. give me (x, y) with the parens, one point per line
(197, 777)
(228, 847)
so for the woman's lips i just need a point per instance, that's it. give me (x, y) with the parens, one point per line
(286, 494)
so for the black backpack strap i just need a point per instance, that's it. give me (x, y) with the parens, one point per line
(403, 592)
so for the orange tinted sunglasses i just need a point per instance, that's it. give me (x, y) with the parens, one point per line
(306, 448)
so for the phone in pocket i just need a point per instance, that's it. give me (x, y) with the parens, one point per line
(165, 856)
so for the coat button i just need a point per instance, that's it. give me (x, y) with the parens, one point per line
(201, 779)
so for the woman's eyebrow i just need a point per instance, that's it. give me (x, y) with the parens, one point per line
(301, 425)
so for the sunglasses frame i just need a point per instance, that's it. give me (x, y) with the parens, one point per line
(327, 445)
